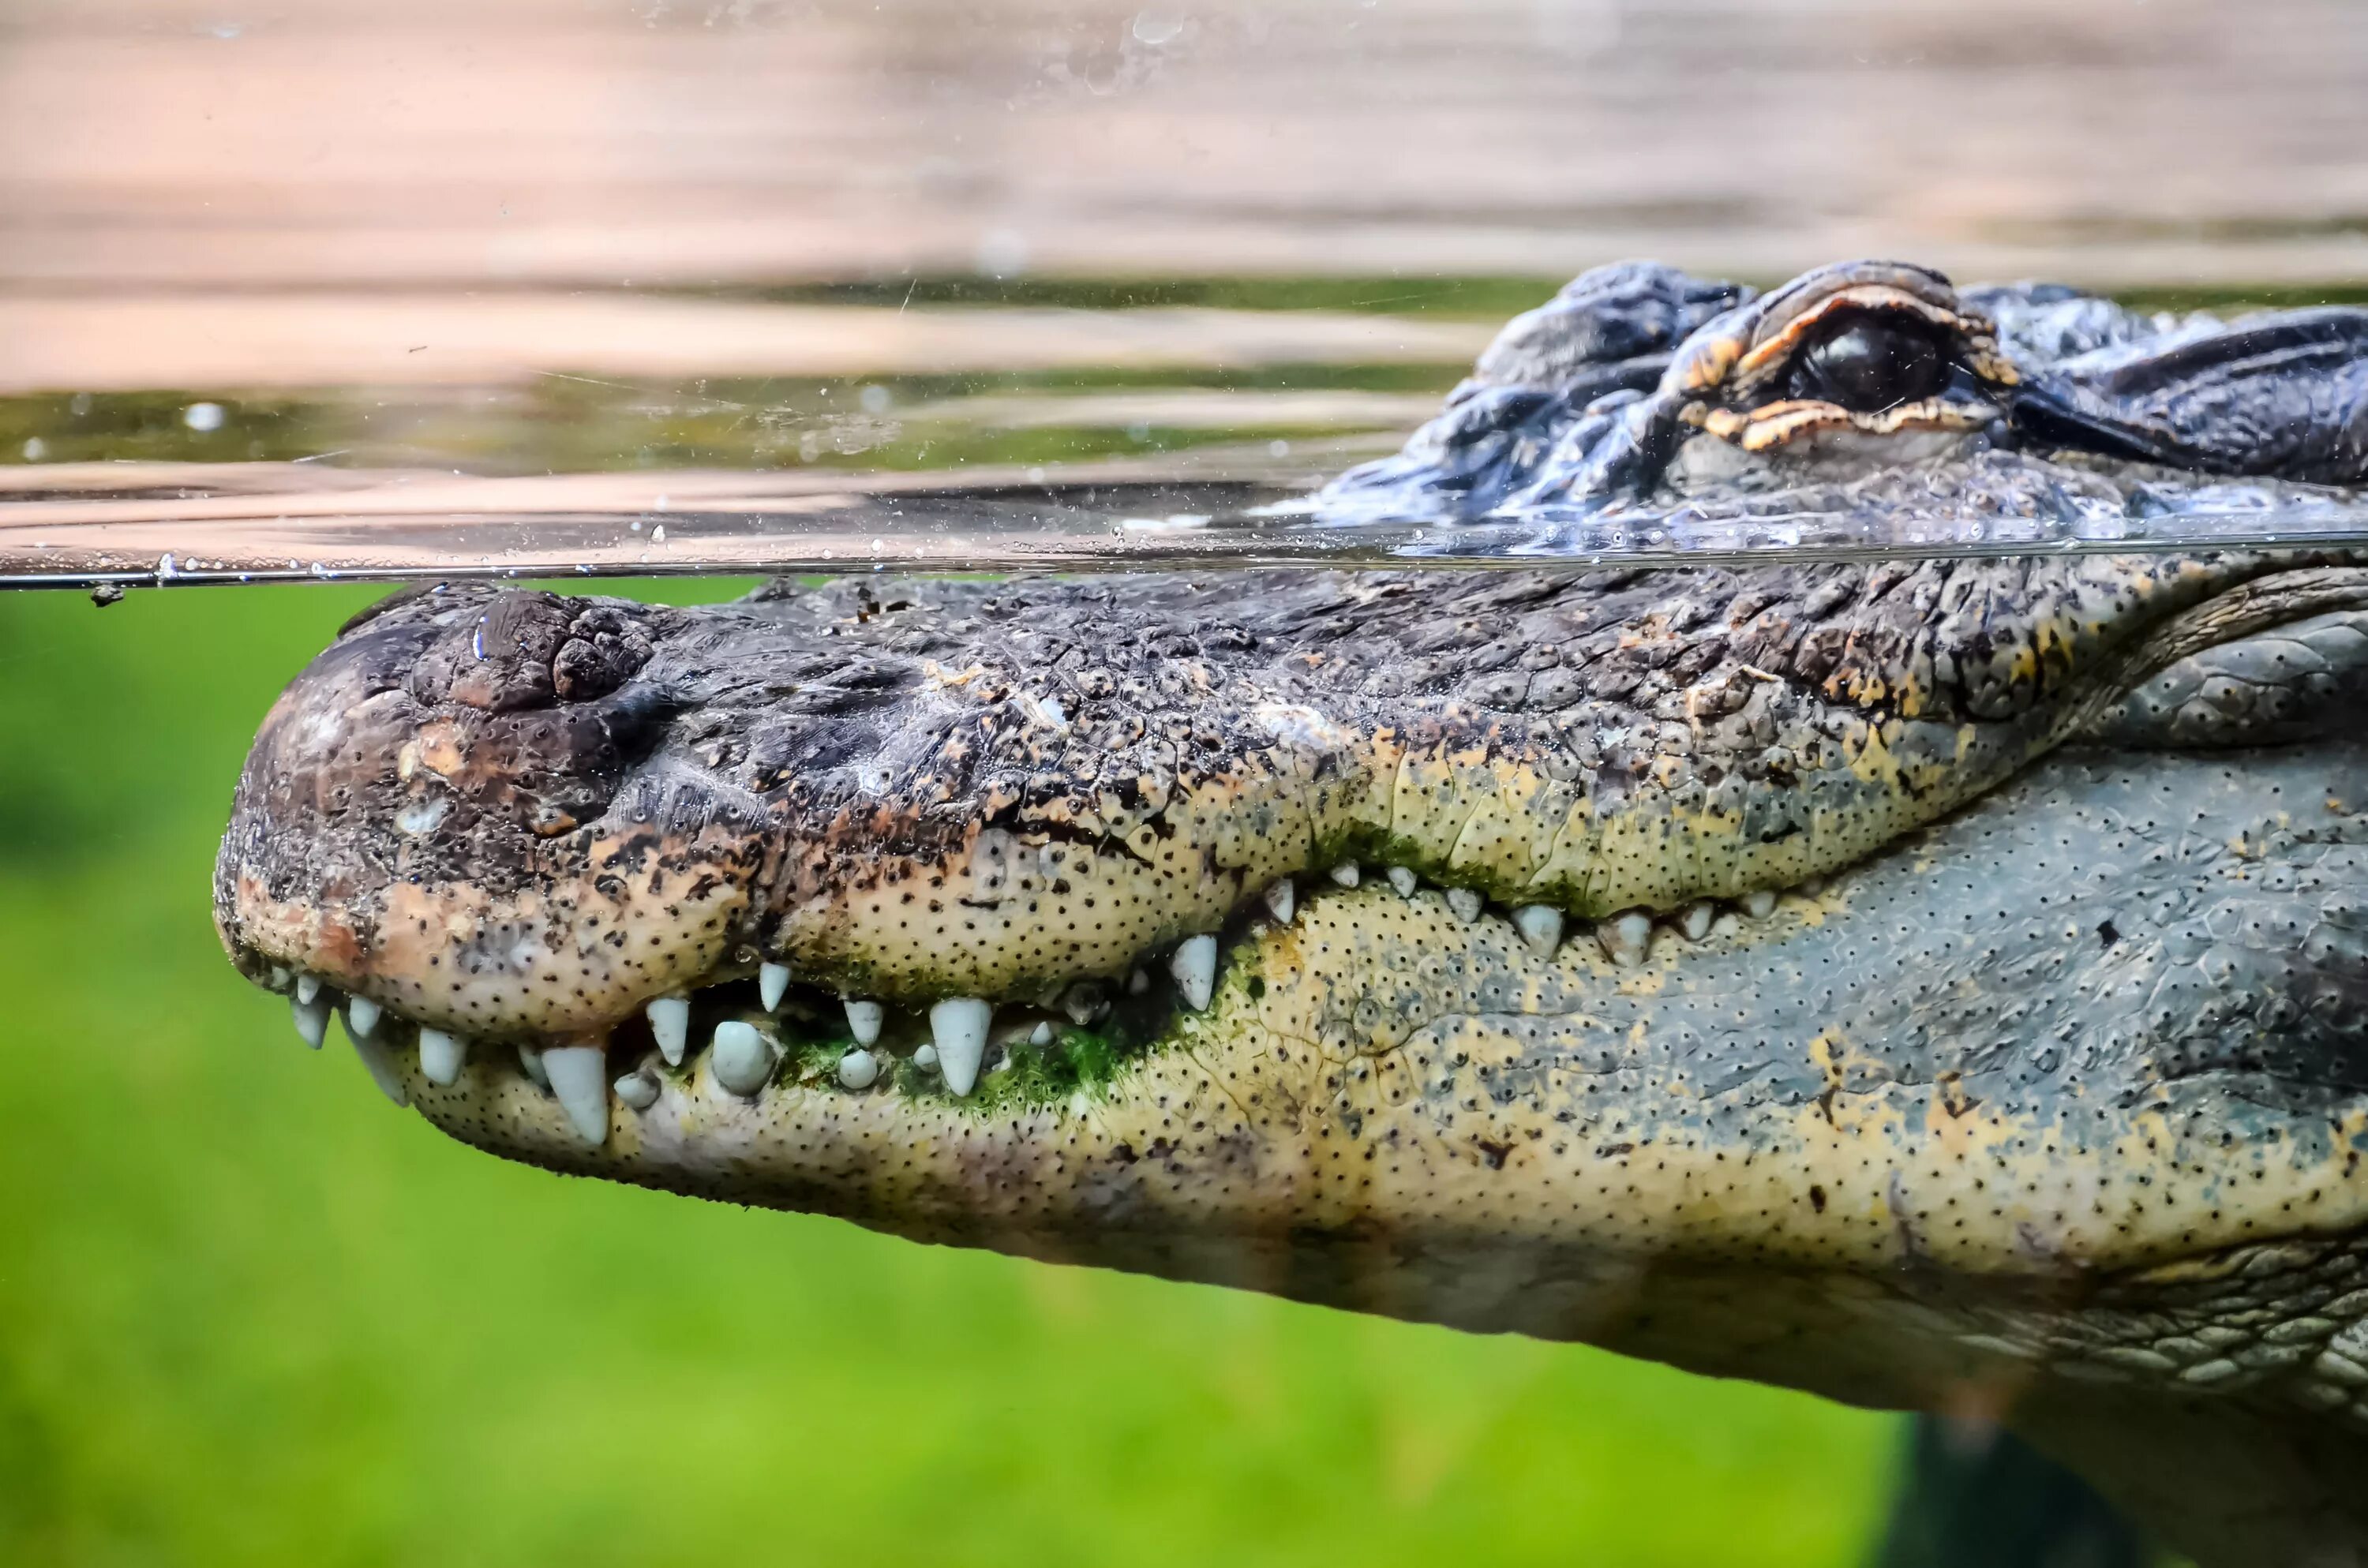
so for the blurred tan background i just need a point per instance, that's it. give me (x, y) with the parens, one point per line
(163, 155)
(607, 141)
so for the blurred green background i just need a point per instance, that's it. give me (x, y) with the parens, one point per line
(251, 1313)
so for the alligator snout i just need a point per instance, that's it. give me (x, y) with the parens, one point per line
(1029, 810)
(449, 814)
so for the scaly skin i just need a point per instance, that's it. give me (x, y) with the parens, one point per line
(1973, 1016)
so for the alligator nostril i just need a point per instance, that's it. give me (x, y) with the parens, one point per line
(529, 650)
(595, 666)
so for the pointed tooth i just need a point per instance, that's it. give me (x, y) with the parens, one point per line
(1405, 880)
(858, 1070)
(1040, 1035)
(1346, 873)
(1280, 900)
(377, 1060)
(441, 1056)
(1726, 924)
(1539, 926)
(579, 1076)
(280, 977)
(925, 1058)
(1758, 903)
(312, 1020)
(741, 1058)
(772, 985)
(958, 1025)
(308, 989)
(361, 1016)
(1466, 902)
(1696, 919)
(531, 1063)
(1137, 984)
(637, 1090)
(1194, 966)
(670, 1026)
(864, 1021)
(1626, 936)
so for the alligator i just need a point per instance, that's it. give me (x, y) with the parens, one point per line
(1936, 983)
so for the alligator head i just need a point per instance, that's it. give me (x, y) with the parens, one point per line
(1926, 981)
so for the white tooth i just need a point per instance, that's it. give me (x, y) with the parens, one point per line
(1624, 938)
(531, 1061)
(1137, 984)
(312, 1020)
(1539, 926)
(1695, 921)
(772, 985)
(441, 1056)
(925, 1058)
(1040, 1035)
(1404, 880)
(741, 1059)
(361, 1016)
(1195, 969)
(1758, 903)
(959, 1026)
(280, 977)
(1466, 902)
(670, 1026)
(1345, 873)
(637, 1090)
(859, 1069)
(864, 1019)
(378, 1059)
(1280, 900)
(1726, 924)
(579, 1076)
(308, 989)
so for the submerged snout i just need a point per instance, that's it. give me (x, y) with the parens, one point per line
(447, 813)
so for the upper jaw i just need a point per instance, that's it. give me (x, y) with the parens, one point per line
(905, 834)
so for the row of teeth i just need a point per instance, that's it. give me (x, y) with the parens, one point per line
(742, 1059)
(1626, 939)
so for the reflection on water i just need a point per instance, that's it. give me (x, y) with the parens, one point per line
(647, 287)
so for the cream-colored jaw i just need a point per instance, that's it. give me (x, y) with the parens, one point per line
(1382, 1066)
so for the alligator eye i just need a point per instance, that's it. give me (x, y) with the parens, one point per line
(1870, 366)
